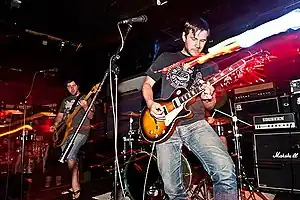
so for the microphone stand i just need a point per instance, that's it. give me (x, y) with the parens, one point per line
(70, 145)
(23, 136)
(240, 174)
(115, 69)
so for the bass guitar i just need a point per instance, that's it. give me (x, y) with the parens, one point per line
(65, 126)
(175, 107)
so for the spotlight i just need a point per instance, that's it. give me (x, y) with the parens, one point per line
(161, 2)
(16, 3)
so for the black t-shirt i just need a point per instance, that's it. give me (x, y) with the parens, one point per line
(65, 108)
(181, 77)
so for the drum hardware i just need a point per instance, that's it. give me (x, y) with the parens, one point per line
(218, 124)
(129, 139)
(240, 172)
(201, 191)
(141, 169)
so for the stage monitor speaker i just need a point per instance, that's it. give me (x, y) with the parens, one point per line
(277, 161)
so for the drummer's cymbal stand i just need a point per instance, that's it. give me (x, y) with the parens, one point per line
(242, 180)
(201, 191)
(128, 139)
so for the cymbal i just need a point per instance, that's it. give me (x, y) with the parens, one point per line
(131, 114)
(219, 121)
(48, 114)
(13, 112)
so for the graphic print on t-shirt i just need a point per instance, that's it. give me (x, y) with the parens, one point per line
(180, 77)
(196, 80)
(68, 106)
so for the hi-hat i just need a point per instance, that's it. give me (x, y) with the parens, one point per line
(48, 114)
(220, 121)
(131, 114)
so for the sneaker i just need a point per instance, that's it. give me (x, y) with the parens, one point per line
(58, 180)
(48, 181)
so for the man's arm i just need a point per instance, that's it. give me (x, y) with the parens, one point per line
(156, 109)
(58, 119)
(147, 91)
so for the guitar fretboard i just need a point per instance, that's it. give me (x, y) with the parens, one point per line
(212, 80)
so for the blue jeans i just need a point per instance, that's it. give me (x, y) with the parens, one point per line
(203, 141)
(78, 142)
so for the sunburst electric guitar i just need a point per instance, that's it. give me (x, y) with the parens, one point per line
(175, 107)
(65, 126)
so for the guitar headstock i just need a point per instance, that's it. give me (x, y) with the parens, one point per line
(251, 65)
(94, 89)
(259, 56)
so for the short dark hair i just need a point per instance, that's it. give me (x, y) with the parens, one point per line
(69, 81)
(196, 25)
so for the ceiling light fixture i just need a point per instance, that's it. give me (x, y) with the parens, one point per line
(161, 2)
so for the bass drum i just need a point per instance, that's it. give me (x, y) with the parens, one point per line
(135, 174)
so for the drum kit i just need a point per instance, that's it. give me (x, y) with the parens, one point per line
(35, 141)
(135, 165)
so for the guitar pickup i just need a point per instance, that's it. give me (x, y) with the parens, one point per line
(176, 102)
(165, 110)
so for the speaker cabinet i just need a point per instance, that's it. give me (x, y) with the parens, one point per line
(277, 161)
(247, 109)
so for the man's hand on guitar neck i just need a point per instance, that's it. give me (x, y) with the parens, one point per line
(83, 104)
(208, 91)
(156, 110)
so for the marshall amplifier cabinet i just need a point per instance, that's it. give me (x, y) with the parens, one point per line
(277, 161)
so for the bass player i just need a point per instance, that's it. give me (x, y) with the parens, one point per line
(195, 132)
(67, 107)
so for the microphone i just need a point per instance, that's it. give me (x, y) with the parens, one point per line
(49, 70)
(140, 19)
(15, 69)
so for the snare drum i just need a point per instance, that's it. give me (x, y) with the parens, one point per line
(135, 174)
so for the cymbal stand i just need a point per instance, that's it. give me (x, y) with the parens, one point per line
(129, 140)
(24, 131)
(241, 175)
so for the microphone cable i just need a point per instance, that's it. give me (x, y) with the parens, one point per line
(147, 171)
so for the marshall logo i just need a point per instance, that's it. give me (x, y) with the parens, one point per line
(279, 155)
(273, 119)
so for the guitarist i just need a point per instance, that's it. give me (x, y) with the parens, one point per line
(194, 132)
(67, 106)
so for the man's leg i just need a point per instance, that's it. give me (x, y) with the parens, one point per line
(169, 165)
(207, 146)
(73, 166)
(73, 163)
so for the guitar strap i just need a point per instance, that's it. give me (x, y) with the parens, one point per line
(74, 105)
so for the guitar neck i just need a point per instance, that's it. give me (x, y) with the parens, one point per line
(77, 109)
(212, 80)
